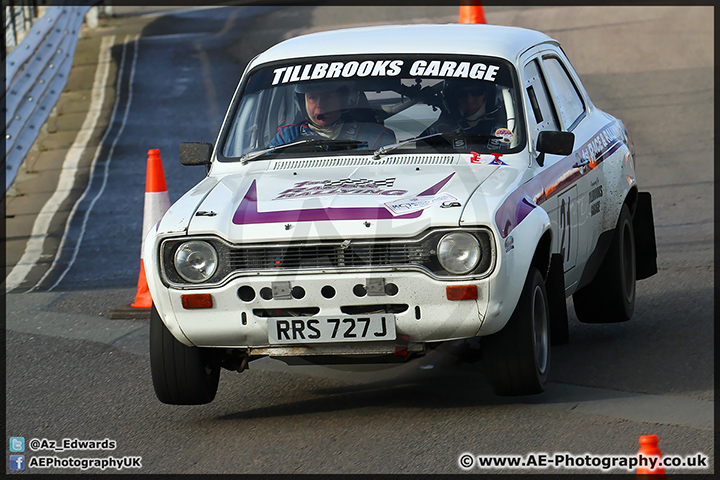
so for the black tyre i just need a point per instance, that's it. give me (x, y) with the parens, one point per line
(181, 375)
(610, 296)
(517, 358)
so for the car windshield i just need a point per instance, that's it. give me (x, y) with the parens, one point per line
(358, 105)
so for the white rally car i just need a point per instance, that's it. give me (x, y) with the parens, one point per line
(376, 191)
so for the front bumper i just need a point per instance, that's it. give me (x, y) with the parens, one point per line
(421, 308)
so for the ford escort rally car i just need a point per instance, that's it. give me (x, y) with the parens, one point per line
(376, 191)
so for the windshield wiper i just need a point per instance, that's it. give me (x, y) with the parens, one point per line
(324, 142)
(449, 135)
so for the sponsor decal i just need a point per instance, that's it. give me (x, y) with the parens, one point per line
(436, 68)
(599, 144)
(409, 205)
(384, 68)
(496, 160)
(321, 70)
(506, 135)
(346, 186)
(479, 159)
(247, 212)
(594, 195)
(509, 243)
(459, 143)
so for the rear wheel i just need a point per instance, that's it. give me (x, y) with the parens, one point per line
(610, 296)
(517, 358)
(181, 375)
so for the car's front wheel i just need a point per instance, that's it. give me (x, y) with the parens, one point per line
(517, 358)
(181, 375)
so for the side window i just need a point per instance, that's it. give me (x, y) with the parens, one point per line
(567, 99)
(541, 113)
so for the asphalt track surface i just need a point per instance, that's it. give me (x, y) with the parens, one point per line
(73, 373)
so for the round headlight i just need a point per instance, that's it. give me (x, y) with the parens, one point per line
(458, 252)
(196, 261)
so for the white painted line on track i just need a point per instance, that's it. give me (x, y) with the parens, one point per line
(68, 173)
(106, 172)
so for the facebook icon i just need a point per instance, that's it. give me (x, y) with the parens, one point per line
(17, 462)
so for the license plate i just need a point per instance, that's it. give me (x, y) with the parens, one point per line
(341, 328)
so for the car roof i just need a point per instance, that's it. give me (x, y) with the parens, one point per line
(474, 39)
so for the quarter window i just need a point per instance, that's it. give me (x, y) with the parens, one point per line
(543, 117)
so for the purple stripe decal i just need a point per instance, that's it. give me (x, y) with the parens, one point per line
(436, 188)
(247, 212)
(612, 150)
(547, 184)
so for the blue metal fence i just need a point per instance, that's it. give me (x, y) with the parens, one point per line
(36, 72)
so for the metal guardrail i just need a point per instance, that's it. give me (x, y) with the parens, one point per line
(36, 73)
(20, 18)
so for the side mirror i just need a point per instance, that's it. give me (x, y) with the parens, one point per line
(195, 153)
(554, 143)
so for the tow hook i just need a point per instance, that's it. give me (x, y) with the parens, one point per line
(235, 360)
(244, 363)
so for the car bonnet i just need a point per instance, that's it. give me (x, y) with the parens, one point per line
(341, 202)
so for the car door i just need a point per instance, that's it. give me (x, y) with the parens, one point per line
(561, 198)
(574, 115)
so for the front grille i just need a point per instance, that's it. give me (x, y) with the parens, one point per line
(402, 254)
(328, 256)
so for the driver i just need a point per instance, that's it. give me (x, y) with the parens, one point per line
(326, 107)
(469, 108)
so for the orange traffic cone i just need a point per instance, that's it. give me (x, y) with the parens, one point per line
(157, 202)
(472, 12)
(649, 448)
